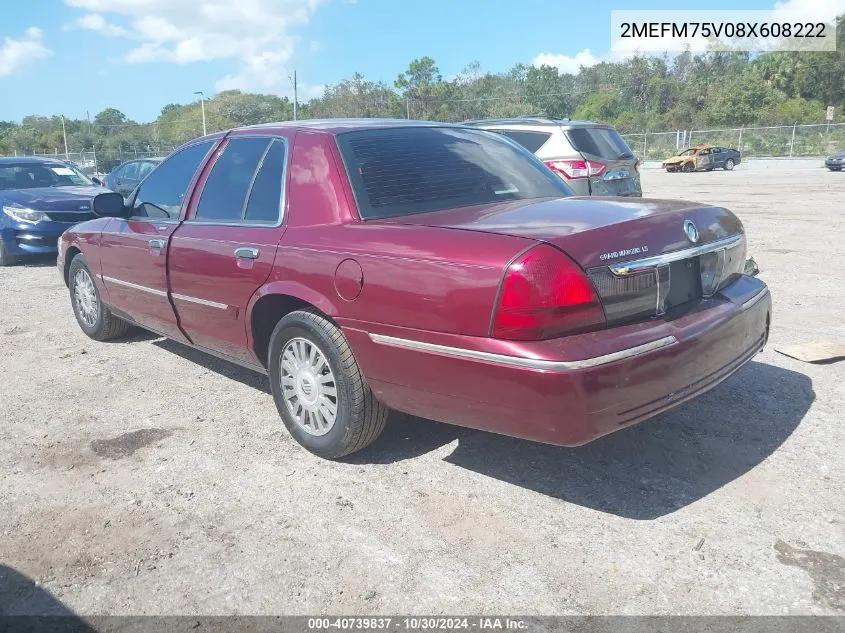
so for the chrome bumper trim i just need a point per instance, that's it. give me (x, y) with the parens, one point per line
(127, 284)
(518, 361)
(629, 268)
(755, 299)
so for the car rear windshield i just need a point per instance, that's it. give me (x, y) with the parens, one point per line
(532, 141)
(603, 142)
(403, 171)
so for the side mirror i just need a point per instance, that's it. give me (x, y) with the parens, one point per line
(751, 267)
(96, 181)
(109, 205)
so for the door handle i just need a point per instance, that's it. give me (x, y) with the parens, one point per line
(156, 243)
(247, 253)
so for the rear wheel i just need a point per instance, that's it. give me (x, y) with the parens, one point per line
(729, 164)
(320, 392)
(93, 316)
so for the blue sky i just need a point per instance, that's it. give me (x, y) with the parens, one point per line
(73, 56)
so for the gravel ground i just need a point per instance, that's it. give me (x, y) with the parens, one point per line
(140, 477)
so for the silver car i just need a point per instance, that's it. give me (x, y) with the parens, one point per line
(592, 158)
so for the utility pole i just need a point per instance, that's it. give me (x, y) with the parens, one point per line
(64, 135)
(88, 116)
(295, 97)
(202, 106)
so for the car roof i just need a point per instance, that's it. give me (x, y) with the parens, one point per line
(31, 160)
(337, 126)
(534, 120)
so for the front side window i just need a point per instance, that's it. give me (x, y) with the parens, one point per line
(230, 181)
(403, 171)
(129, 171)
(161, 195)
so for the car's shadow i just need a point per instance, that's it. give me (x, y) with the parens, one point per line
(26, 606)
(642, 472)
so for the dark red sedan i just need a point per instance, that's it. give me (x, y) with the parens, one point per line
(435, 269)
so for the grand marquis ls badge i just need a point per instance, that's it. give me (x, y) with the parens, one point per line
(691, 231)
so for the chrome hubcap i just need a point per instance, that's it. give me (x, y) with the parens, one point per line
(308, 386)
(87, 304)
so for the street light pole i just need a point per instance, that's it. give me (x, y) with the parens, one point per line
(202, 106)
(64, 135)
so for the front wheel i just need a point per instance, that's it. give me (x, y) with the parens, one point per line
(729, 164)
(93, 316)
(321, 394)
(5, 258)
(688, 168)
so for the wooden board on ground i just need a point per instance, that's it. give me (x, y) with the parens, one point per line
(814, 351)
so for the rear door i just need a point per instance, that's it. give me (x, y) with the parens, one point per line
(225, 249)
(613, 166)
(133, 252)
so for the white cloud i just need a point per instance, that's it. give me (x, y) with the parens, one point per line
(17, 54)
(256, 35)
(565, 63)
(96, 22)
(810, 10)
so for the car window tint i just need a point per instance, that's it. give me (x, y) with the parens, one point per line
(599, 141)
(161, 195)
(401, 171)
(264, 205)
(224, 194)
(532, 141)
(129, 171)
(144, 169)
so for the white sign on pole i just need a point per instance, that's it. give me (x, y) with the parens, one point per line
(829, 116)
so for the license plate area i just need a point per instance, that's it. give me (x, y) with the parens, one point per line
(684, 283)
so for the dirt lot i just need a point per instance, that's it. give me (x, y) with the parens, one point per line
(141, 477)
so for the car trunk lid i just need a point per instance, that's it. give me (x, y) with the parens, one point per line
(674, 265)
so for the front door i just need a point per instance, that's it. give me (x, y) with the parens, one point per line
(225, 249)
(133, 253)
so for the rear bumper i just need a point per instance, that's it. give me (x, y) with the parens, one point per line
(567, 391)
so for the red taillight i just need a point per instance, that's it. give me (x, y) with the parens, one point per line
(574, 169)
(545, 294)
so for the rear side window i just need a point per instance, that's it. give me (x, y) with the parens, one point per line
(129, 171)
(532, 141)
(599, 141)
(225, 191)
(402, 171)
(161, 195)
(264, 204)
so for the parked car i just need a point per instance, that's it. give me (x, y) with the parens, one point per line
(39, 199)
(835, 162)
(471, 289)
(126, 176)
(703, 158)
(593, 159)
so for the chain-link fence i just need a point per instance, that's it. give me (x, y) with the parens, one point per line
(789, 141)
(94, 163)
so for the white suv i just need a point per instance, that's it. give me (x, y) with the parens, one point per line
(592, 158)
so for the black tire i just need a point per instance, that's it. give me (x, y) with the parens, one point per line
(729, 164)
(687, 168)
(5, 258)
(360, 418)
(104, 325)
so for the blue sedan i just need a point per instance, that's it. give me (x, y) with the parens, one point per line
(40, 198)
